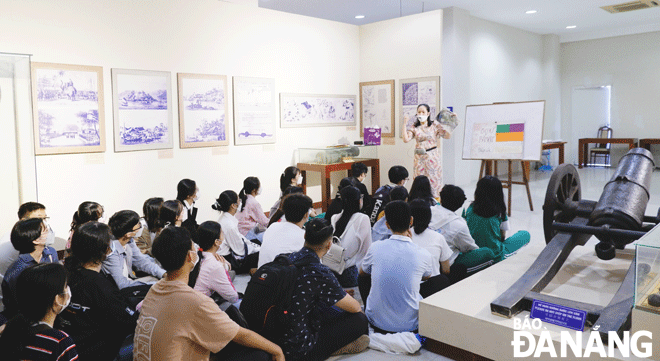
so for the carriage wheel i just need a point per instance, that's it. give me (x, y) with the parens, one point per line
(561, 198)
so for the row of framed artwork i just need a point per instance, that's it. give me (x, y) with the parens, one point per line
(68, 105)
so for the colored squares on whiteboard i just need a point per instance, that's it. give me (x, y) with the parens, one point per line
(510, 132)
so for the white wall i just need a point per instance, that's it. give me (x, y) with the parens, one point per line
(630, 65)
(304, 55)
(401, 48)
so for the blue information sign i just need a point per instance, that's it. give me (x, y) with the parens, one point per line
(559, 315)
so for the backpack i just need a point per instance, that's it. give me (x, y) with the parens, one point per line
(268, 296)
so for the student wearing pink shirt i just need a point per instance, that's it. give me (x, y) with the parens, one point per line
(252, 221)
(213, 273)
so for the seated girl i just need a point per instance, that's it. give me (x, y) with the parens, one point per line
(252, 221)
(171, 214)
(42, 294)
(87, 212)
(354, 231)
(486, 218)
(99, 318)
(335, 206)
(290, 177)
(278, 216)
(213, 273)
(428, 239)
(240, 252)
(151, 224)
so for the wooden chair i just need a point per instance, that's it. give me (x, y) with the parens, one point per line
(603, 149)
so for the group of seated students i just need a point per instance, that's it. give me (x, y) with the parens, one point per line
(163, 283)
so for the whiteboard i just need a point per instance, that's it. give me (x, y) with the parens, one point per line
(504, 131)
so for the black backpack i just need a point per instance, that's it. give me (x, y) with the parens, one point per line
(268, 296)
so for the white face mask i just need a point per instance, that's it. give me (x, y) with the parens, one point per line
(239, 206)
(138, 233)
(67, 291)
(196, 197)
(103, 219)
(196, 259)
(50, 240)
(259, 191)
(405, 182)
(299, 179)
(422, 118)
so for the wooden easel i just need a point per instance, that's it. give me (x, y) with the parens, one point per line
(489, 167)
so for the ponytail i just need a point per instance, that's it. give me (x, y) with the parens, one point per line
(288, 174)
(243, 198)
(250, 184)
(350, 203)
(421, 213)
(225, 200)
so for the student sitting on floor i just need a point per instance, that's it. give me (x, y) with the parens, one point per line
(318, 329)
(278, 216)
(291, 177)
(252, 222)
(396, 275)
(99, 317)
(457, 234)
(125, 255)
(242, 253)
(177, 322)
(87, 212)
(429, 239)
(213, 273)
(380, 231)
(359, 172)
(30, 237)
(398, 176)
(287, 236)
(151, 224)
(335, 206)
(42, 294)
(354, 232)
(488, 223)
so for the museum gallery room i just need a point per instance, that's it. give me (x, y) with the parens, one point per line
(542, 113)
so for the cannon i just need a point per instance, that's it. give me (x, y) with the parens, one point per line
(616, 219)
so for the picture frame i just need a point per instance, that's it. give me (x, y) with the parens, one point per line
(142, 109)
(377, 106)
(68, 108)
(254, 110)
(203, 110)
(417, 91)
(316, 110)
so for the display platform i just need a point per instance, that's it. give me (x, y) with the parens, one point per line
(460, 316)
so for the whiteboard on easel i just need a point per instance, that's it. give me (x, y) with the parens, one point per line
(504, 131)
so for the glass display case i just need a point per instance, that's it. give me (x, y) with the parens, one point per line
(339, 154)
(647, 271)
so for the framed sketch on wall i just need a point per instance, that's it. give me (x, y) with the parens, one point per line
(142, 108)
(310, 110)
(377, 106)
(254, 110)
(68, 108)
(418, 91)
(202, 110)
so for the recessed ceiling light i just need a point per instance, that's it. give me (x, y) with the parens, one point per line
(359, 16)
(530, 12)
(571, 27)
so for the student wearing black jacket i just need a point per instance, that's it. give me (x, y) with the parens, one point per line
(99, 318)
(398, 176)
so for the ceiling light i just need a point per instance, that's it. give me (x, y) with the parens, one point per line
(571, 27)
(530, 12)
(359, 16)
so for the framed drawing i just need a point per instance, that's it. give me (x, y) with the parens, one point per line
(254, 110)
(418, 91)
(377, 106)
(308, 110)
(202, 110)
(68, 108)
(142, 108)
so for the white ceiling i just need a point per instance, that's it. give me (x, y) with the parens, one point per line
(552, 16)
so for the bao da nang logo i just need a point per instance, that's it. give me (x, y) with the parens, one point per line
(571, 345)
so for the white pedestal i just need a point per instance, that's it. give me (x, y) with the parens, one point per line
(460, 315)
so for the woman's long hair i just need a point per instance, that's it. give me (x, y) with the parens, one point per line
(350, 204)
(36, 289)
(87, 212)
(151, 212)
(489, 198)
(429, 121)
(421, 189)
(250, 184)
(90, 244)
(288, 174)
(421, 213)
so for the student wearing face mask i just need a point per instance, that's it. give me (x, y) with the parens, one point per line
(242, 253)
(171, 214)
(427, 134)
(291, 177)
(87, 212)
(42, 294)
(30, 237)
(252, 221)
(126, 256)
(398, 176)
(187, 193)
(99, 318)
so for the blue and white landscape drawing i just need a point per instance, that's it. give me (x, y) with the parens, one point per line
(67, 108)
(143, 114)
(305, 110)
(203, 109)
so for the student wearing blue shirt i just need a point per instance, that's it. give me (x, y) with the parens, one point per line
(30, 238)
(397, 267)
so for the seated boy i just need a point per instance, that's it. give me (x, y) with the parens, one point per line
(456, 232)
(287, 236)
(397, 267)
(398, 176)
(177, 322)
(379, 231)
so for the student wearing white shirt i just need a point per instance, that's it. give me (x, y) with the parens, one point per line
(240, 252)
(286, 236)
(187, 193)
(354, 231)
(427, 238)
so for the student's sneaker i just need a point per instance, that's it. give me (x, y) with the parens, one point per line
(359, 345)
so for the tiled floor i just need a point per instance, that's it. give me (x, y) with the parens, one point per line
(592, 182)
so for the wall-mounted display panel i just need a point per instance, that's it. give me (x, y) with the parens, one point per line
(254, 110)
(309, 110)
(414, 92)
(377, 106)
(202, 110)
